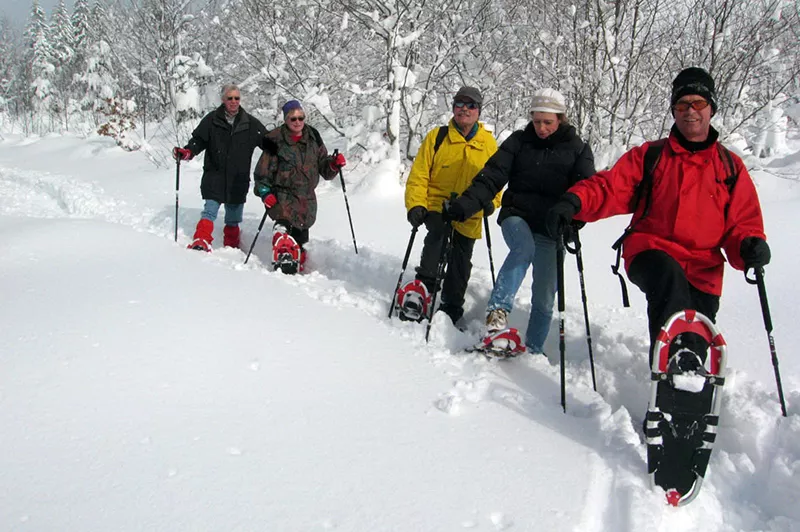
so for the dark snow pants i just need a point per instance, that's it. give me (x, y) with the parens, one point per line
(459, 267)
(667, 290)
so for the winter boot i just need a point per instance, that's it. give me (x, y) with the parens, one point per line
(413, 301)
(497, 320)
(231, 234)
(202, 236)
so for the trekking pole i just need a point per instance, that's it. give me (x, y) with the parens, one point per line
(260, 226)
(444, 254)
(489, 245)
(177, 188)
(579, 259)
(762, 296)
(562, 347)
(346, 204)
(403, 268)
(447, 242)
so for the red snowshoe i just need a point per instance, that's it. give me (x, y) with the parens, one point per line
(504, 343)
(287, 255)
(413, 301)
(688, 370)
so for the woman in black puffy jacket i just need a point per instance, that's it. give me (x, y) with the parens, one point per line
(539, 164)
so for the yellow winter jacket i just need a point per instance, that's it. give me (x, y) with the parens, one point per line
(451, 169)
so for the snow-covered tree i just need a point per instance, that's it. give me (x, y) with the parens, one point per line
(113, 112)
(39, 59)
(164, 30)
(9, 68)
(83, 36)
(751, 49)
(61, 35)
(279, 51)
(99, 22)
(382, 73)
(81, 29)
(191, 95)
(101, 84)
(395, 26)
(770, 130)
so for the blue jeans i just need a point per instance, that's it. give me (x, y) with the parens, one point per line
(527, 248)
(233, 212)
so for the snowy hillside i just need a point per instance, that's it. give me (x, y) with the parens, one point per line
(148, 387)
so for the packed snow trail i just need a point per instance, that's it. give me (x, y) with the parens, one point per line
(752, 473)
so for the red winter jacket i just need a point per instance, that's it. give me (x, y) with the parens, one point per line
(687, 212)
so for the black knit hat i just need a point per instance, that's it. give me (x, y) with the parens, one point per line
(694, 80)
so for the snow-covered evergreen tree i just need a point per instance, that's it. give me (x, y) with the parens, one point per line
(191, 96)
(98, 22)
(83, 37)
(62, 38)
(61, 35)
(113, 112)
(41, 71)
(81, 29)
(8, 70)
(100, 82)
(382, 74)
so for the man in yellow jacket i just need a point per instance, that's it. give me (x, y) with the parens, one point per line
(434, 175)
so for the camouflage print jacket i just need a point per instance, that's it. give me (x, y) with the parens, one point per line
(291, 170)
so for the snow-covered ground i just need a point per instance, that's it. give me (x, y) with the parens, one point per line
(148, 387)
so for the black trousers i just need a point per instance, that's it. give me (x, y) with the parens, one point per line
(459, 265)
(664, 283)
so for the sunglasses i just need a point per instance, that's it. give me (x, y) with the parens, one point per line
(237, 98)
(468, 105)
(697, 105)
(297, 119)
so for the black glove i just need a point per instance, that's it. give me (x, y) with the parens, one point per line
(454, 210)
(755, 252)
(559, 217)
(416, 215)
(488, 209)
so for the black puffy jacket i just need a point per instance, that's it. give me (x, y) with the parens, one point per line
(537, 171)
(229, 150)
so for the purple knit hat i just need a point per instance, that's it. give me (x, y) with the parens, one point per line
(290, 106)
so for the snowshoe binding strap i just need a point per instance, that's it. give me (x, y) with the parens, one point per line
(286, 254)
(200, 245)
(503, 344)
(413, 301)
(713, 357)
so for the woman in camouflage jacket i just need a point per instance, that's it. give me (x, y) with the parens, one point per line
(288, 172)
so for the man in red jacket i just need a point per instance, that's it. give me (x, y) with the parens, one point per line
(674, 251)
